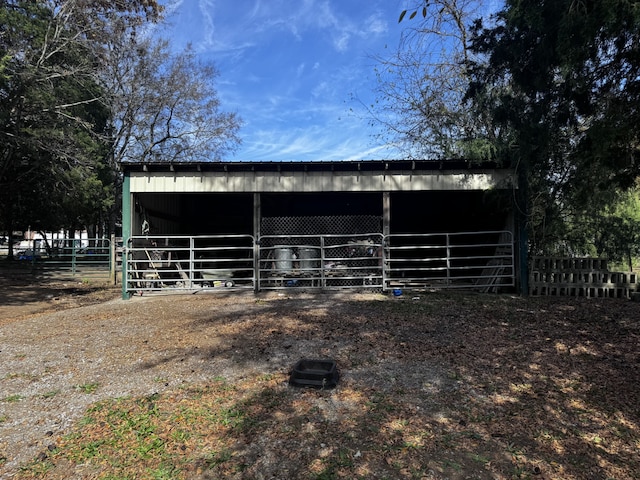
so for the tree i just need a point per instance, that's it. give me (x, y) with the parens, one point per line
(49, 114)
(82, 89)
(617, 229)
(164, 106)
(563, 77)
(422, 87)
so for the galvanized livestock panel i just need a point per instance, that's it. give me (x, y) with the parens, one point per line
(474, 260)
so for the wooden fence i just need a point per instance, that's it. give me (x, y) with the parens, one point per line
(580, 277)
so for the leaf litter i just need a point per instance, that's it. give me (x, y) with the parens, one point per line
(433, 385)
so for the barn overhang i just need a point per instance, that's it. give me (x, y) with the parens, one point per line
(315, 177)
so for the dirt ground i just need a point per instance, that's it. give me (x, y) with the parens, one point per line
(432, 384)
(20, 297)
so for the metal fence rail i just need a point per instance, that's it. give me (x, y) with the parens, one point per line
(483, 260)
(87, 259)
(155, 263)
(321, 261)
(480, 260)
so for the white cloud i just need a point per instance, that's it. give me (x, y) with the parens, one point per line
(171, 6)
(341, 41)
(376, 25)
(207, 10)
(311, 143)
(321, 90)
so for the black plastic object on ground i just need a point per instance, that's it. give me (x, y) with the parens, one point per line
(314, 373)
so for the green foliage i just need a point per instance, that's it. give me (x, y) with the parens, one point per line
(563, 77)
(617, 229)
(413, 14)
(51, 120)
(80, 91)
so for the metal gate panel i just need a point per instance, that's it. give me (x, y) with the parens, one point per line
(189, 263)
(367, 260)
(324, 262)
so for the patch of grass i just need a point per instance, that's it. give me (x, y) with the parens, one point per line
(37, 468)
(88, 387)
(215, 459)
(159, 436)
(163, 472)
(447, 463)
(13, 398)
(50, 394)
(89, 450)
(483, 459)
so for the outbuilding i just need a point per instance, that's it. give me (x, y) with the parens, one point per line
(390, 225)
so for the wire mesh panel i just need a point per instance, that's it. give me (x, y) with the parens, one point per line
(321, 225)
(332, 251)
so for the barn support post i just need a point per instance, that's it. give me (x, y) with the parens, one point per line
(112, 259)
(386, 231)
(522, 212)
(386, 213)
(257, 213)
(523, 255)
(126, 231)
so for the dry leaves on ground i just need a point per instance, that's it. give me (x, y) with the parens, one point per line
(436, 385)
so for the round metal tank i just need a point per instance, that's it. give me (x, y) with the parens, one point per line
(283, 259)
(309, 258)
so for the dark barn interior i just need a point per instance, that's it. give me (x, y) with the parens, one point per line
(411, 212)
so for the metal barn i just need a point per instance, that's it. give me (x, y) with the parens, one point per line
(318, 225)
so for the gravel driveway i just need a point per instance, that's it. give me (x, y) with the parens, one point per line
(53, 365)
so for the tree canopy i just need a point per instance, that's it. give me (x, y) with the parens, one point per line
(83, 88)
(551, 88)
(422, 87)
(564, 77)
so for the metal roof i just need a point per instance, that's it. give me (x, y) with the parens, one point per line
(311, 166)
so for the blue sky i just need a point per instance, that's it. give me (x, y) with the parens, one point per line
(296, 71)
(292, 70)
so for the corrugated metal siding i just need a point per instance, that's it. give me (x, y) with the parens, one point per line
(249, 182)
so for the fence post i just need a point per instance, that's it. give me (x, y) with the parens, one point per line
(448, 259)
(73, 256)
(112, 260)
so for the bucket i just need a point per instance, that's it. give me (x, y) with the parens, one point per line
(284, 259)
(309, 258)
